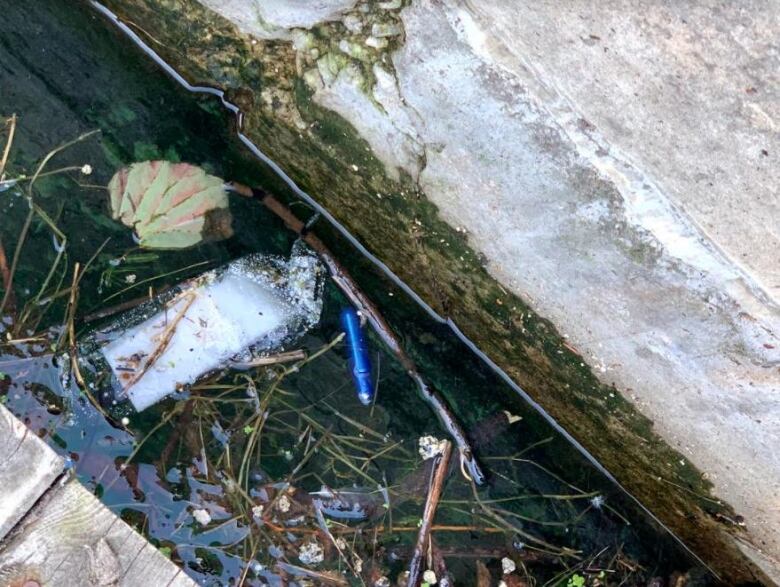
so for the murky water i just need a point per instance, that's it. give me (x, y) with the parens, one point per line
(248, 473)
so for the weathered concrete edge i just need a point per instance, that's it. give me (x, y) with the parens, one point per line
(544, 365)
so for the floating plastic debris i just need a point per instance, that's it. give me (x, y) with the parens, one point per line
(254, 305)
(430, 447)
(7, 184)
(202, 517)
(359, 360)
(170, 205)
(347, 504)
(311, 553)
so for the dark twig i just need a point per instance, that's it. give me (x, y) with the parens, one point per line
(286, 357)
(187, 298)
(35, 209)
(128, 305)
(347, 284)
(70, 316)
(5, 272)
(440, 468)
(182, 426)
(11, 123)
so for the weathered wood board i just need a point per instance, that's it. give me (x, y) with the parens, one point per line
(70, 539)
(56, 533)
(27, 469)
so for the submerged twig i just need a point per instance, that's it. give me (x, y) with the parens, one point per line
(155, 277)
(165, 340)
(11, 122)
(35, 209)
(321, 577)
(287, 357)
(70, 317)
(440, 468)
(74, 362)
(128, 305)
(532, 541)
(182, 427)
(5, 272)
(349, 287)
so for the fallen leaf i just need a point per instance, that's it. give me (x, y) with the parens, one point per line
(170, 205)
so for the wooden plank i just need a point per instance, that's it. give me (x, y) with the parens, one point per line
(70, 539)
(27, 469)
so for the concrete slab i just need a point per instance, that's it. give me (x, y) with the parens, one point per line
(586, 181)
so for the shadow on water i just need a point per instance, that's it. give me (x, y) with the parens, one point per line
(64, 71)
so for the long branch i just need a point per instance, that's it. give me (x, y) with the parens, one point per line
(347, 284)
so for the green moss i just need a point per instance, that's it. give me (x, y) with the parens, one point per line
(143, 151)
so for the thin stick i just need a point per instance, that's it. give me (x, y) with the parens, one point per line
(154, 277)
(441, 467)
(5, 271)
(15, 259)
(164, 341)
(181, 426)
(35, 209)
(348, 286)
(321, 522)
(9, 141)
(72, 348)
(289, 356)
(437, 528)
(74, 362)
(8, 297)
(128, 305)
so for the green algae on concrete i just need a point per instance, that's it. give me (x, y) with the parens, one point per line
(328, 159)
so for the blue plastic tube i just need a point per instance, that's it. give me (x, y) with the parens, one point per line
(359, 361)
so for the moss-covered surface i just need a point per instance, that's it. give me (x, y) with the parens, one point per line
(327, 158)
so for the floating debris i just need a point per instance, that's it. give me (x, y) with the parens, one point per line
(430, 447)
(202, 517)
(283, 505)
(253, 305)
(170, 205)
(359, 360)
(347, 504)
(597, 501)
(311, 553)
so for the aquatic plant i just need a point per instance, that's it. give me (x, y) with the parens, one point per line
(170, 205)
